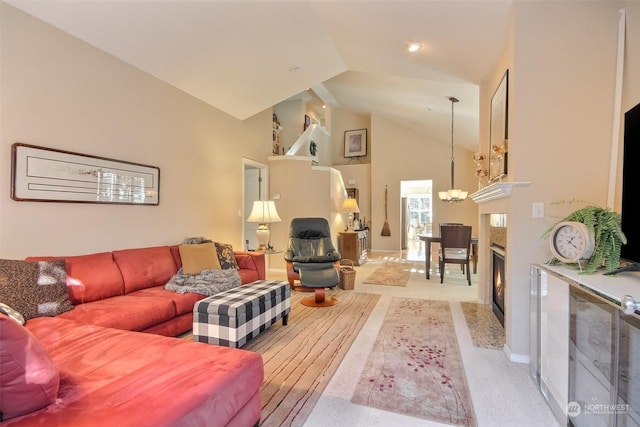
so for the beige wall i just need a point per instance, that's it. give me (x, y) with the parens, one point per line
(361, 174)
(300, 190)
(341, 121)
(562, 74)
(398, 154)
(60, 93)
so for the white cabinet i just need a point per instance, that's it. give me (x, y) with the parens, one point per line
(554, 343)
(584, 348)
(553, 351)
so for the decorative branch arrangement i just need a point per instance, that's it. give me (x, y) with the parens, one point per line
(481, 171)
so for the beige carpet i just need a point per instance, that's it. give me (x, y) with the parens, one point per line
(415, 367)
(391, 274)
(484, 327)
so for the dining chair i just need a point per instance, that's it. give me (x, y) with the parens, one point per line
(454, 223)
(455, 247)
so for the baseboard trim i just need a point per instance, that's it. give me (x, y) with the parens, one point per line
(515, 357)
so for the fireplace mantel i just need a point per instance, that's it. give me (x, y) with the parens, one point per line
(497, 190)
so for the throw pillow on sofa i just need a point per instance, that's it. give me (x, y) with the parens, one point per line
(36, 288)
(29, 380)
(225, 256)
(196, 258)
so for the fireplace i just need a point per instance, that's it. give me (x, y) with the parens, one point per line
(498, 283)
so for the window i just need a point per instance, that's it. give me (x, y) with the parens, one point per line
(419, 207)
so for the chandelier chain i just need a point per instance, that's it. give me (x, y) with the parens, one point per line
(453, 159)
(453, 194)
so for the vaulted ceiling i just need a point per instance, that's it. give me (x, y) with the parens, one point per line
(245, 56)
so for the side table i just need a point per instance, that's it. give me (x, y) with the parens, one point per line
(269, 252)
(353, 245)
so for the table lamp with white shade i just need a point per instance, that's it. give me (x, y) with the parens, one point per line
(263, 212)
(350, 206)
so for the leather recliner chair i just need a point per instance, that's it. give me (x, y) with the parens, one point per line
(312, 259)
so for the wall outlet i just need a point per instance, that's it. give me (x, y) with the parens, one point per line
(538, 210)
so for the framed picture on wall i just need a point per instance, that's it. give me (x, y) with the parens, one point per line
(355, 143)
(499, 130)
(51, 175)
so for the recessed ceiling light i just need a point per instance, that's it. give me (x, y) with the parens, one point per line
(414, 46)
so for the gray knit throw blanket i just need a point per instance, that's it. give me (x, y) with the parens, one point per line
(207, 282)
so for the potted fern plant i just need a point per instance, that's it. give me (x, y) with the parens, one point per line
(605, 225)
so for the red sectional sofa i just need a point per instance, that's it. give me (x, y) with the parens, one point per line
(124, 289)
(110, 377)
(110, 374)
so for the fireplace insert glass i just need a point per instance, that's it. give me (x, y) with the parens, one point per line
(498, 283)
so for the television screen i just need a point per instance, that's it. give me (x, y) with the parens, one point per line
(631, 186)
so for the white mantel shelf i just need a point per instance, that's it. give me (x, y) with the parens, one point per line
(497, 190)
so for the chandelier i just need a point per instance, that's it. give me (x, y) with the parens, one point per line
(453, 194)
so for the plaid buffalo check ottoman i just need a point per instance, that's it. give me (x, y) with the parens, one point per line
(233, 317)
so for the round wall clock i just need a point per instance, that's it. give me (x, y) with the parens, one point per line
(571, 241)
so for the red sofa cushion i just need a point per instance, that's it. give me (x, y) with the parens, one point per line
(90, 277)
(124, 312)
(175, 252)
(174, 327)
(29, 380)
(253, 261)
(150, 379)
(183, 303)
(145, 267)
(248, 276)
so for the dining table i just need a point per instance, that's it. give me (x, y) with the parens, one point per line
(428, 239)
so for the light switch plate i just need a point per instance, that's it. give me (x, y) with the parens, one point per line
(538, 210)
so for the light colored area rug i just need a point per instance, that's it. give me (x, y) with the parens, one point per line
(415, 366)
(391, 274)
(485, 329)
(300, 358)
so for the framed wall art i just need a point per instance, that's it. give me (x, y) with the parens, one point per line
(50, 175)
(499, 130)
(355, 143)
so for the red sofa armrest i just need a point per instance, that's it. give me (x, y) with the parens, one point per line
(252, 261)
